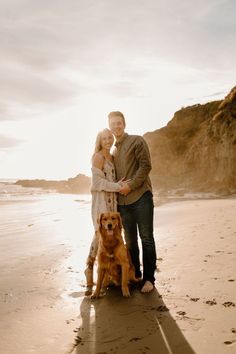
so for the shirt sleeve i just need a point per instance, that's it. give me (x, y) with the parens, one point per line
(99, 182)
(143, 160)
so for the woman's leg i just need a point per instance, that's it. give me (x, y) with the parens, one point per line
(90, 263)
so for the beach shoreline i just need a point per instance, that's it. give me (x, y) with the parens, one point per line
(43, 307)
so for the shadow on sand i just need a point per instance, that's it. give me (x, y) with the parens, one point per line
(140, 324)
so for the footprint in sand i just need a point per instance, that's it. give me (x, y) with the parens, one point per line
(181, 313)
(228, 342)
(195, 299)
(211, 302)
(162, 308)
(70, 269)
(228, 304)
(135, 339)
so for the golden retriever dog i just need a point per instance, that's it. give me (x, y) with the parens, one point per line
(114, 261)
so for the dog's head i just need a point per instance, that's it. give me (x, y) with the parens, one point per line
(110, 221)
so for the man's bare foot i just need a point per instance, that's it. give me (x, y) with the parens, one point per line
(148, 286)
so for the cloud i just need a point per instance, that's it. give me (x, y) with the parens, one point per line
(8, 142)
(24, 91)
(215, 94)
(27, 86)
(88, 34)
(102, 46)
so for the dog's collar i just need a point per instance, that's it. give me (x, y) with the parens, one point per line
(110, 255)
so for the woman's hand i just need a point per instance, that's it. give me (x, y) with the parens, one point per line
(122, 181)
(125, 188)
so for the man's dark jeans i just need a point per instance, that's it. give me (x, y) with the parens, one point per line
(138, 217)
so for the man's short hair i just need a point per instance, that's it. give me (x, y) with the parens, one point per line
(116, 114)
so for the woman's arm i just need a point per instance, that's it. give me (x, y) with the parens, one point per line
(98, 161)
(99, 182)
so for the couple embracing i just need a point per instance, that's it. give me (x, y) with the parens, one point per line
(131, 196)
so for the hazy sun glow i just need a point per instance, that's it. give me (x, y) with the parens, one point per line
(59, 83)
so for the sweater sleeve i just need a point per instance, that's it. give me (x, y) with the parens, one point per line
(100, 183)
(143, 158)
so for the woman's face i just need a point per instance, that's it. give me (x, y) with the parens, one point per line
(107, 140)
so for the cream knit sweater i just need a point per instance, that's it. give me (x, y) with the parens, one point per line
(100, 190)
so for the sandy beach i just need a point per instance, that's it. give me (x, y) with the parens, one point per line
(43, 309)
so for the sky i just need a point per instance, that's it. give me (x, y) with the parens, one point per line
(64, 65)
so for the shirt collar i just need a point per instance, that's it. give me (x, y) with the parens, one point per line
(118, 143)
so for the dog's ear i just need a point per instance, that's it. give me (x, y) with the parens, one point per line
(119, 221)
(100, 220)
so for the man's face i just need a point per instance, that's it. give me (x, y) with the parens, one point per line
(117, 126)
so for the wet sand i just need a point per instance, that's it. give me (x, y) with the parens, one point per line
(43, 309)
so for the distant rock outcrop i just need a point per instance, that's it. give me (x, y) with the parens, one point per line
(78, 185)
(196, 151)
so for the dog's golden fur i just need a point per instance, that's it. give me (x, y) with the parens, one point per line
(114, 261)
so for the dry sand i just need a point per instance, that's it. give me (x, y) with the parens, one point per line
(42, 304)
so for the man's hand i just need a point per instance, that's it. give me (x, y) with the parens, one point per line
(125, 188)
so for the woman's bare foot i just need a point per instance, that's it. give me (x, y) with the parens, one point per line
(89, 290)
(147, 287)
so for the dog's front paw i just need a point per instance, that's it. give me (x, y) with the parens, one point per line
(95, 295)
(125, 292)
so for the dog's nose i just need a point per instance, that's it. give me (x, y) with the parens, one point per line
(109, 226)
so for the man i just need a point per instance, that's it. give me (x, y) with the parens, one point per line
(135, 200)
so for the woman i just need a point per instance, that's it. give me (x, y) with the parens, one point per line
(103, 190)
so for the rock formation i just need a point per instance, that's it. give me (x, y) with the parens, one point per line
(196, 150)
(79, 184)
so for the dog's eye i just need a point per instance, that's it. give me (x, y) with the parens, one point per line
(113, 218)
(104, 219)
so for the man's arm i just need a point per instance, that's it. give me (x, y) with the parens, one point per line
(142, 155)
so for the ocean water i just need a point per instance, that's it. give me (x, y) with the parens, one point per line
(31, 218)
(10, 191)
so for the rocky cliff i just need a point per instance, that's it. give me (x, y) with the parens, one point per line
(196, 151)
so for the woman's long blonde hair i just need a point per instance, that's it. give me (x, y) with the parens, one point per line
(98, 145)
